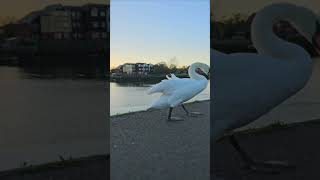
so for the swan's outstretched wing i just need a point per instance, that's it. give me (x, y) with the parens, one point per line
(168, 86)
(172, 76)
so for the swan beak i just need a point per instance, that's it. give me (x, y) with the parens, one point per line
(316, 39)
(204, 74)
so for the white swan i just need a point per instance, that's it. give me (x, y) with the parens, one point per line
(176, 91)
(248, 85)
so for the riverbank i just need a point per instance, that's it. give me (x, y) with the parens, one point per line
(150, 78)
(295, 143)
(144, 145)
(93, 167)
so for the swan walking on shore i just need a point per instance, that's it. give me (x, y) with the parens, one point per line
(248, 85)
(176, 91)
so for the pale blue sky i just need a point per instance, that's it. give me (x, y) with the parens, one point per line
(158, 30)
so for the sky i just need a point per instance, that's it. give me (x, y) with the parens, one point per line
(152, 31)
(222, 8)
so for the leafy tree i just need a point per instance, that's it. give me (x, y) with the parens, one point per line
(161, 68)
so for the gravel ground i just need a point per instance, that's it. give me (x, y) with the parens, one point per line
(145, 146)
(296, 144)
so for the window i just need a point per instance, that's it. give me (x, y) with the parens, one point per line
(102, 13)
(104, 35)
(95, 35)
(57, 36)
(94, 12)
(66, 35)
(73, 14)
(95, 24)
(65, 25)
(103, 24)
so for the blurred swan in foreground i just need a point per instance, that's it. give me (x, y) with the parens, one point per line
(248, 85)
(176, 91)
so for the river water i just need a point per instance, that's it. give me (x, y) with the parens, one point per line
(44, 118)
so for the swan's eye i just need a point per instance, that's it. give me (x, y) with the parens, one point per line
(199, 71)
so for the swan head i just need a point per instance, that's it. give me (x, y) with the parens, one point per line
(307, 24)
(199, 71)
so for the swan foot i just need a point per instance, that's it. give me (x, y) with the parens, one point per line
(175, 119)
(269, 167)
(194, 114)
(191, 114)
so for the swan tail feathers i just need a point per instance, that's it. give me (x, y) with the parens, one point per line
(161, 87)
(174, 76)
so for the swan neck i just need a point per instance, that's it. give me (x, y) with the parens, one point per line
(265, 40)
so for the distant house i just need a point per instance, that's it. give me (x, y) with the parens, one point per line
(91, 21)
(59, 29)
(129, 68)
(59, 22)
(133, 68)
(143, 68)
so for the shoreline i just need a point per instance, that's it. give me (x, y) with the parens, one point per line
(151, 110)
(82, 168)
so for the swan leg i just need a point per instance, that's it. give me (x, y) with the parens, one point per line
(185, 109)
(270, 167)
(190, 113)
(170, 118)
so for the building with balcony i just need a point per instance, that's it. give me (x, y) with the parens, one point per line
(59, 29)
(133, 69)
(143, 68)
(59, 22)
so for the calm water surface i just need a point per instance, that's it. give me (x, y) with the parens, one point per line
(44, 118)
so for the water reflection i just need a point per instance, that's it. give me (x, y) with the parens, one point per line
(46, 111)
(72, 67)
